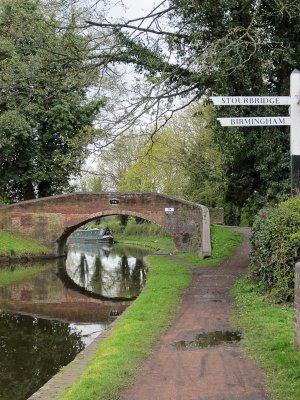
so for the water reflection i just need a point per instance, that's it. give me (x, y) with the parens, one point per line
(112, 272)
(47, 319)
(46, 295)
(32, 350)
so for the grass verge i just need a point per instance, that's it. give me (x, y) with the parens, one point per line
(269, 338)
(15, 274)
(157, 243)
(224, 242)
(11, 244)
(119, 356)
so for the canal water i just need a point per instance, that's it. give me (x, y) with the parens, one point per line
(45, 321)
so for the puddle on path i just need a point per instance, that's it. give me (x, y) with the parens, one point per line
(208, 298)
(206, 340)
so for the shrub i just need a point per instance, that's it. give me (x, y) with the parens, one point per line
(132, 227)
(275, 248)
(145, 229)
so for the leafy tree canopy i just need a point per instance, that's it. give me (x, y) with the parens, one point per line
(193, 49)
(45, 113)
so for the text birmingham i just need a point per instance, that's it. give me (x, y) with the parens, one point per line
(258, 121)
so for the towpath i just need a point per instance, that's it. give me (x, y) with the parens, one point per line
(222, 372)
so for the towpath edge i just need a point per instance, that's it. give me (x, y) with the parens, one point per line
(213, 373)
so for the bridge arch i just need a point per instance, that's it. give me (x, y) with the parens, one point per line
(51, 220)
(61, 241)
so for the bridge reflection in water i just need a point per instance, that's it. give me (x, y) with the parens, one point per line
(110, 271)
(46, 320)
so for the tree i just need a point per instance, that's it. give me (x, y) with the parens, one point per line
(155, 168)
(191, 49)
(200, 157)
(46, 113)
(88, 182)
(183, 161)
(112, 163)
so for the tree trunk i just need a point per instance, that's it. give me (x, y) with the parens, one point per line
(44, 189)
(29, 193)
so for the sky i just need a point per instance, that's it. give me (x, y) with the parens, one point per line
(134, 8)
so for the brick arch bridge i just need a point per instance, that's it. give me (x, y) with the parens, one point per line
(51, 220)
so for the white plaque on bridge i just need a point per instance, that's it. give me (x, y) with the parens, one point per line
(251, 100)
(169, 210)
(255, 121)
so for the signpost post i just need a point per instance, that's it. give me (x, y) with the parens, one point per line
(295, 132)
(294, 120)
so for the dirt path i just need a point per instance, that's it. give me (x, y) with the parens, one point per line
(212, 373)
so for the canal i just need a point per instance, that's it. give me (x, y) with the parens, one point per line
(47, 320)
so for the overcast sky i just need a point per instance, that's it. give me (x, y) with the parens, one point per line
(134, 8)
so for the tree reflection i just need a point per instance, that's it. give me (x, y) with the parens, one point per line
(32, 350)
(116, 273)
(97, 278)
(83, 270)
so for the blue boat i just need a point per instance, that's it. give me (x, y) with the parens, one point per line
(95, 235)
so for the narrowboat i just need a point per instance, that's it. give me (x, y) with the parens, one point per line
(95, 235)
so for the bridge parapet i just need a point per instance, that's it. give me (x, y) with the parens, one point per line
(51, 220)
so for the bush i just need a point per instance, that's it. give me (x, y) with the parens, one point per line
(275, 248)
(145, 229)
(132, 227)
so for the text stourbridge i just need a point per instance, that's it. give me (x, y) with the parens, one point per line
(251, 100)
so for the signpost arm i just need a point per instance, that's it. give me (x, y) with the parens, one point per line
(295, 132)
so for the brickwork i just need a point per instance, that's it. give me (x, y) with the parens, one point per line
(297, 304)
(52, 219)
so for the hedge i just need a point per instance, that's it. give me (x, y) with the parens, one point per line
(275, 248)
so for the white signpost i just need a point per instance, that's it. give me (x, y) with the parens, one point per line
(255, 121)
(293, 120)
(251, 101)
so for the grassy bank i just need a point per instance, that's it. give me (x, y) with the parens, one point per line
(269, 338)
(119, 356)
(156, 243)
(224, 242)
(18, 273)
(15, 245)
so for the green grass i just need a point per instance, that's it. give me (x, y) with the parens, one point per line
(15, 274)
(157, 243)
(16, 245)
(269, 338)
(120, 355)
(224, 242)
